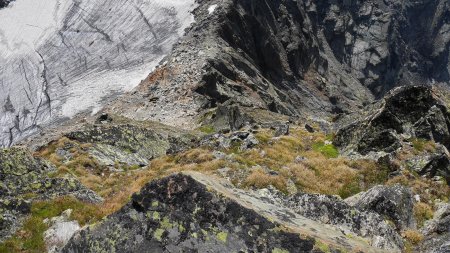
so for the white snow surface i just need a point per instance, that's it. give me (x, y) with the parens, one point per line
(62, 57)
(212, 8)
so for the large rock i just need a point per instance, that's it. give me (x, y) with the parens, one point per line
(407, 112)
(60, 230)
(394, 202)
(438, 165)
(194, 212)
(437, 231)
(132, 143)
(347, 218)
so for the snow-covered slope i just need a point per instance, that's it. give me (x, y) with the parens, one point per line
(61, 57)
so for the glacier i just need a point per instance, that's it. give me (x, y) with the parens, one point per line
(62, 57)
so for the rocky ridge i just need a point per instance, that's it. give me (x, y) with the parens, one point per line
(294, 57)
(195, 212)
(263, 93)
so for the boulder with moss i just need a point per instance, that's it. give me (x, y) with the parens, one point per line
(130, 142)
(23, 179)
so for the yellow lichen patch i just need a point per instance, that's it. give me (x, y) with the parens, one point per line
(158, 234)
(222, 236)
(278, 250)
(322, 247)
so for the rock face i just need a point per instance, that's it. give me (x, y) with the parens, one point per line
(22, 174)
(77, 55)
(296, 57)
(4, 3)
(184, 213)
(388, 43)
(437, 231)
(395, 202)
(408, 112)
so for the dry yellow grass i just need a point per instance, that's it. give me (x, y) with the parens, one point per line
(260, 179)
(412, 236)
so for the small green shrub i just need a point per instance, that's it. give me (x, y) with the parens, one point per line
(207, 129)
(328, 150)
(349, 189)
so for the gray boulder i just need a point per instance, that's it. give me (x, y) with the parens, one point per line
(350, 220)
(407, 112)
(395, 202)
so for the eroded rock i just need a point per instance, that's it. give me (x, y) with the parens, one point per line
(408, 112)
(395, 202)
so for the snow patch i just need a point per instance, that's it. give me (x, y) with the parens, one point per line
(212, 8)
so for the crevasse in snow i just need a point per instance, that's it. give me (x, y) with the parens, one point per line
(58, 58)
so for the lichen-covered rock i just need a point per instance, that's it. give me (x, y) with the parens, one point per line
(131, 144)
(333, 211)
(19, 169)
(437, 231)
(198, 213)
(407, 112)
(178, 214)
(395, 202)
(11, 212)
(22, 175)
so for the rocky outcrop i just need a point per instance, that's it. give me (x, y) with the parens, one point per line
(179, 214)
(395, 202)
(408, 112)
(115, 140)
(296, 58)
(334, 211)
(24, 179)
(193, 212)
(437, 231)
